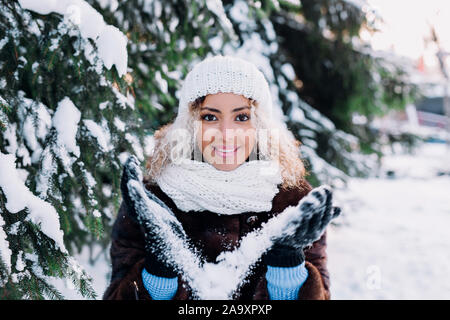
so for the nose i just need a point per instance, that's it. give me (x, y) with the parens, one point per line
(228, 133)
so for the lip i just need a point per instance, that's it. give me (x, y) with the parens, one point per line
(226, 152)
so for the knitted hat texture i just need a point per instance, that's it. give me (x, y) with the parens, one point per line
(226, 74)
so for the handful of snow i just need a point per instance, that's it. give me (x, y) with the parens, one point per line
(210, 281)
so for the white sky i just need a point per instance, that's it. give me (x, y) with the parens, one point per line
(406, 26)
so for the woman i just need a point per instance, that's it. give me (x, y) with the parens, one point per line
(224, 167)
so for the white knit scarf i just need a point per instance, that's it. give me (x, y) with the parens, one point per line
(198, 186)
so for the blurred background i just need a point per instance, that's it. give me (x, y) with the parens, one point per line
(363, 84)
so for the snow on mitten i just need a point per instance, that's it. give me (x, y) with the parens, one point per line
(127, 174)
(155, 259)
(317, 211)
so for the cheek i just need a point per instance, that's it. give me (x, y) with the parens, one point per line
(206, 136)
(249, 145)
(249, 138)
(252, 141)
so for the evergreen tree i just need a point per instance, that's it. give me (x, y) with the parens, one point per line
(63, 116)
(166, 38)
(338, 74)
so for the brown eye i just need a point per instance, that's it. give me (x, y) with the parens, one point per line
(243, 117)
(208, 117)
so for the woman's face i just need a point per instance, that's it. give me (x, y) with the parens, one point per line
(227, 134)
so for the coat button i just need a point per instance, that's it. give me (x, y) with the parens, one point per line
(252, 220)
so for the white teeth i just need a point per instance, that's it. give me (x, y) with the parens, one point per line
(226, 151)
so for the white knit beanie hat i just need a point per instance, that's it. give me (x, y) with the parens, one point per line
(227, 74)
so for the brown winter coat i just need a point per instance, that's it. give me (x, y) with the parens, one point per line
(211, 233)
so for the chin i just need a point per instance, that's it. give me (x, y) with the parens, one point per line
(219, 165)
(226, 167)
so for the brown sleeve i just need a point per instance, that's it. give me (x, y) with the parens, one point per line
(313, 288)
(127, 258)
(316, 255)
(316, 284)
(131, 287)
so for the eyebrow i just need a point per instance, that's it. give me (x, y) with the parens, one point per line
(234, 110)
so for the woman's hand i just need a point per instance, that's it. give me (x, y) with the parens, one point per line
(317, 211)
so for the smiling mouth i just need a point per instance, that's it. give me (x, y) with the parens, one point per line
(225, 152)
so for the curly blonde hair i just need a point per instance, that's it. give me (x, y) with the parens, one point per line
(274, 141)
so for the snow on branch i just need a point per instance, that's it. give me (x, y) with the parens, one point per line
(19, 197)
(111, 42)
(5, 251)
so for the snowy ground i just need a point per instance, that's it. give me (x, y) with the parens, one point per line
(393, 239)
